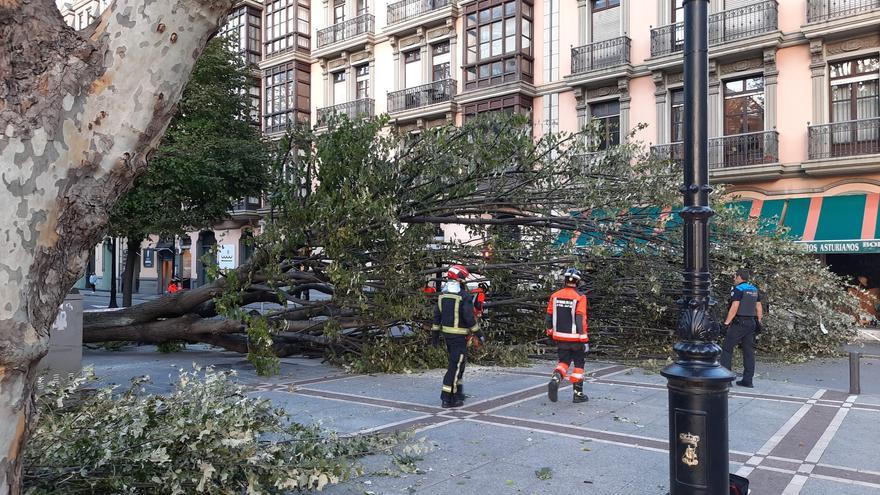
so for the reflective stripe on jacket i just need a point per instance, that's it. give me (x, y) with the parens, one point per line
(454, 314)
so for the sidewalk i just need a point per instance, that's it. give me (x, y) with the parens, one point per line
(787, 438)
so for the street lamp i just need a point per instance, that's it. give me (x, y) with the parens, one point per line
(698, 441)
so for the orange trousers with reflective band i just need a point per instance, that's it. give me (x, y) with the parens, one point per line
(571, 353)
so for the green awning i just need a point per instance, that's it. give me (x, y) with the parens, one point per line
(840, 218)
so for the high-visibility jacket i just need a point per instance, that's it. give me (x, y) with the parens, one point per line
(479, 296)
(567, 316)
(454, 313)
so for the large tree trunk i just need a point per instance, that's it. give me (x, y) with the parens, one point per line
(133, 247)
(80, 113)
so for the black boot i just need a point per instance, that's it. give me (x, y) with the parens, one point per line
(579, 395)
(458, 401)
(743, 383)
(553, 387)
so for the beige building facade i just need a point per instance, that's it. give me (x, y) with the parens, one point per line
(793, 90)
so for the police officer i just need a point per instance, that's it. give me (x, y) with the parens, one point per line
(743, 321)
(454, 318)
(566, 323)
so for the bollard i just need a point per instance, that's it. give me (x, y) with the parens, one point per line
(855, 387)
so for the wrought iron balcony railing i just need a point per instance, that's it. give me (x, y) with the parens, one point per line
(421, 96)
(600, 55)
(361, 24)
(410, 9)
(739, 150)
(825, 10)
(851, 138)
(353, 109)
(724, 27)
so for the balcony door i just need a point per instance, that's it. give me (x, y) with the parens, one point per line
(743, 143)
(855, 107)
(340, 90)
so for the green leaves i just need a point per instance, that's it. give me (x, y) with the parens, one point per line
(207, 436)
(211, 156)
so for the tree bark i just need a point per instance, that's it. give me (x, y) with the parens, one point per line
(129, 273)
(80, 112)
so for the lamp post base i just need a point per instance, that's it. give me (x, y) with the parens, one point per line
(698, 450)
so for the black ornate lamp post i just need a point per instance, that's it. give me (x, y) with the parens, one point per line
(698, 442)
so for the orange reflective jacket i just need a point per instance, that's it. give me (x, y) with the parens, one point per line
(567, 308)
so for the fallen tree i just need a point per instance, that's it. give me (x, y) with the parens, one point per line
(355, 211)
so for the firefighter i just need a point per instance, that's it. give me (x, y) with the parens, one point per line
(454, 318)
(566, 323)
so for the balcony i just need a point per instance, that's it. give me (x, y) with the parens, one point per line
(739, 150)
(826, 10)
(363, 108)
(841, 139)
(345, 34)
(724, 27)
(406, 10)
(600, 55)
(421, 96)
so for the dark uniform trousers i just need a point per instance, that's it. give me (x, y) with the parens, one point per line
(456, 346)
(741, 332)
(571, 351)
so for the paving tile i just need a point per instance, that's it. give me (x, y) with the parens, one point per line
(826, 487)
(859, 428)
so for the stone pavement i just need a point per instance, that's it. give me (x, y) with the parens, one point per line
(787, 438)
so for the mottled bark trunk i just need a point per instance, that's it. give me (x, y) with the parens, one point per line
(129, 273)
(79, 114)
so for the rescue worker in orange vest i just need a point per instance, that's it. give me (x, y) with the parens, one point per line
(454, 318)
(566, 323)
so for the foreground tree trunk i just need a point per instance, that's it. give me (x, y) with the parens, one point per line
(80, 113)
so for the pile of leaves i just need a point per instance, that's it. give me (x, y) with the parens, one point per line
(205, 436)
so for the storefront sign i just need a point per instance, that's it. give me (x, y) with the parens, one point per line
(226, 256)
(857, 246)
(149, 256)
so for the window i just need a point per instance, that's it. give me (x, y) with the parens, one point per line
(243, 28)
(496, 35)
(744, 105)
(361, 7)
(338, 11)
(287, 25)
(605, 4)
(363, 81)
(340, 89)
(677, 11)
(507, 104)
(287, 96)
(855, 98)
(551, 40)
(676, 116)
(441, 68)
(412, 71)
(608, 115)
(441, 72)
(412, 56)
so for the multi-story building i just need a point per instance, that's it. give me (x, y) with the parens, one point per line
(793, 88)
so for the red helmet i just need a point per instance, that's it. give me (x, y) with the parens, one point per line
(457, 272)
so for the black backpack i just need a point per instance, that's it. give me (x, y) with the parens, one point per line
(738, 485)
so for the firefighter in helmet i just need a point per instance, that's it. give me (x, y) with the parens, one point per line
(566, 323)
(454, 318)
